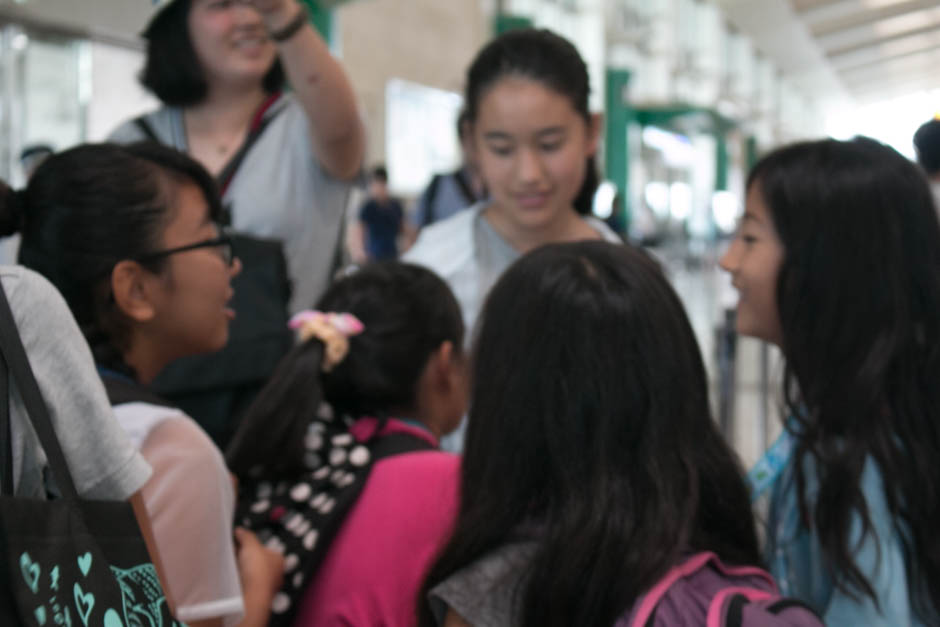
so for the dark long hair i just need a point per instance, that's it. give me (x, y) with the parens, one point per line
(408, 312)
(590, 422)
(544, 57)
(858, 294)
(86, 209)
(172, 70)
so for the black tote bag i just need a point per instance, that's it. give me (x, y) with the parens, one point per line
(65, 562)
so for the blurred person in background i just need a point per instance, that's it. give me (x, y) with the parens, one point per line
(381, 219)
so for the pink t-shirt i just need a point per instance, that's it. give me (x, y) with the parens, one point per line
(377, 561)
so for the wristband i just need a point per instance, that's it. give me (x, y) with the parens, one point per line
(297, 22)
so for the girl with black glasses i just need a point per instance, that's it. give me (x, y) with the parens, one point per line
(130, 237)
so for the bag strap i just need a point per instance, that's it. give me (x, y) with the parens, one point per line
(144, 127)
(123, 390)
(15, 355)
(6, 431)
(258, 124)
(429, 196)
(692, 565)
(464, 185)
(652, 598)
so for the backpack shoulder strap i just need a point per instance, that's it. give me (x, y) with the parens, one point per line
(652, 598)
(429, 196)
(465, 189)
(122, 390)
(144, 127)
(284, 513)
(260, 122)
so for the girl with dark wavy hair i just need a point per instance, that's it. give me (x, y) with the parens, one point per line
(592, 464)
(837, 261)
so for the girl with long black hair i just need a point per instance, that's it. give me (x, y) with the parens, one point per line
(837, 261)
(592, 464)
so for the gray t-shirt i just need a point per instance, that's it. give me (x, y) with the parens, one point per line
(103, 462)
(487, 593)
(280, 191)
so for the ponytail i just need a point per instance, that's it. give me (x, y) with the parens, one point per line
(584, 202)
(274, 429)
(12, 210)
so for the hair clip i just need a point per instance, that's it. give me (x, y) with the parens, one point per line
(333, 329)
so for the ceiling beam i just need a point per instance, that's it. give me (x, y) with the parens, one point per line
(865, 14)
(839, 9)
(873, 55)
(890, 28)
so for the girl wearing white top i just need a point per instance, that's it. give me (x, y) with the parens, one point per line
(534, 140)
(129, 236)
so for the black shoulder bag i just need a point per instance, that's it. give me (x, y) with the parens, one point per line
(66, 561)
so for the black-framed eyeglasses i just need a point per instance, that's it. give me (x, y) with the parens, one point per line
(223, 244)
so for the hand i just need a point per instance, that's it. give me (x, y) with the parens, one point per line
(257, 564)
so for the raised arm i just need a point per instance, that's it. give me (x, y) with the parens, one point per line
(322, 88)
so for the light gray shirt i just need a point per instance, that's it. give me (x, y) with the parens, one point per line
(486, 593)
(103, 462)
(280, 191)
(470, 255)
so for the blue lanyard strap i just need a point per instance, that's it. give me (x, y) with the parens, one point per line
(768, 468)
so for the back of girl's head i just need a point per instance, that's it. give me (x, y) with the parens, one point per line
(172, 70)
(408, 313)
(87, 208)
(858, 294)
(590, 422)
(543, 57)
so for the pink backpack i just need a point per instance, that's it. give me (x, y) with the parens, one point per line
(703, 591)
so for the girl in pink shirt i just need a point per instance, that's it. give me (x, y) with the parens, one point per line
(337, 459)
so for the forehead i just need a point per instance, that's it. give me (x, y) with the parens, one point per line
(188, 211)
(755, 208)
(517, 104)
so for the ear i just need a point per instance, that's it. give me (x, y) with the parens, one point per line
(595, 126)
(132, 287)
(446, 367)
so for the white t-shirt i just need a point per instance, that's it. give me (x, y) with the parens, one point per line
(104, 464)
(470, 256)
(191, 503)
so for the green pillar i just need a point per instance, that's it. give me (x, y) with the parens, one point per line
(618, 115)
(322, 19)
(750, 151)
(504, 22)
(721, 162)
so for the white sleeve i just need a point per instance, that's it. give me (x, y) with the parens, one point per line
(191, 501)
(103, 462)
